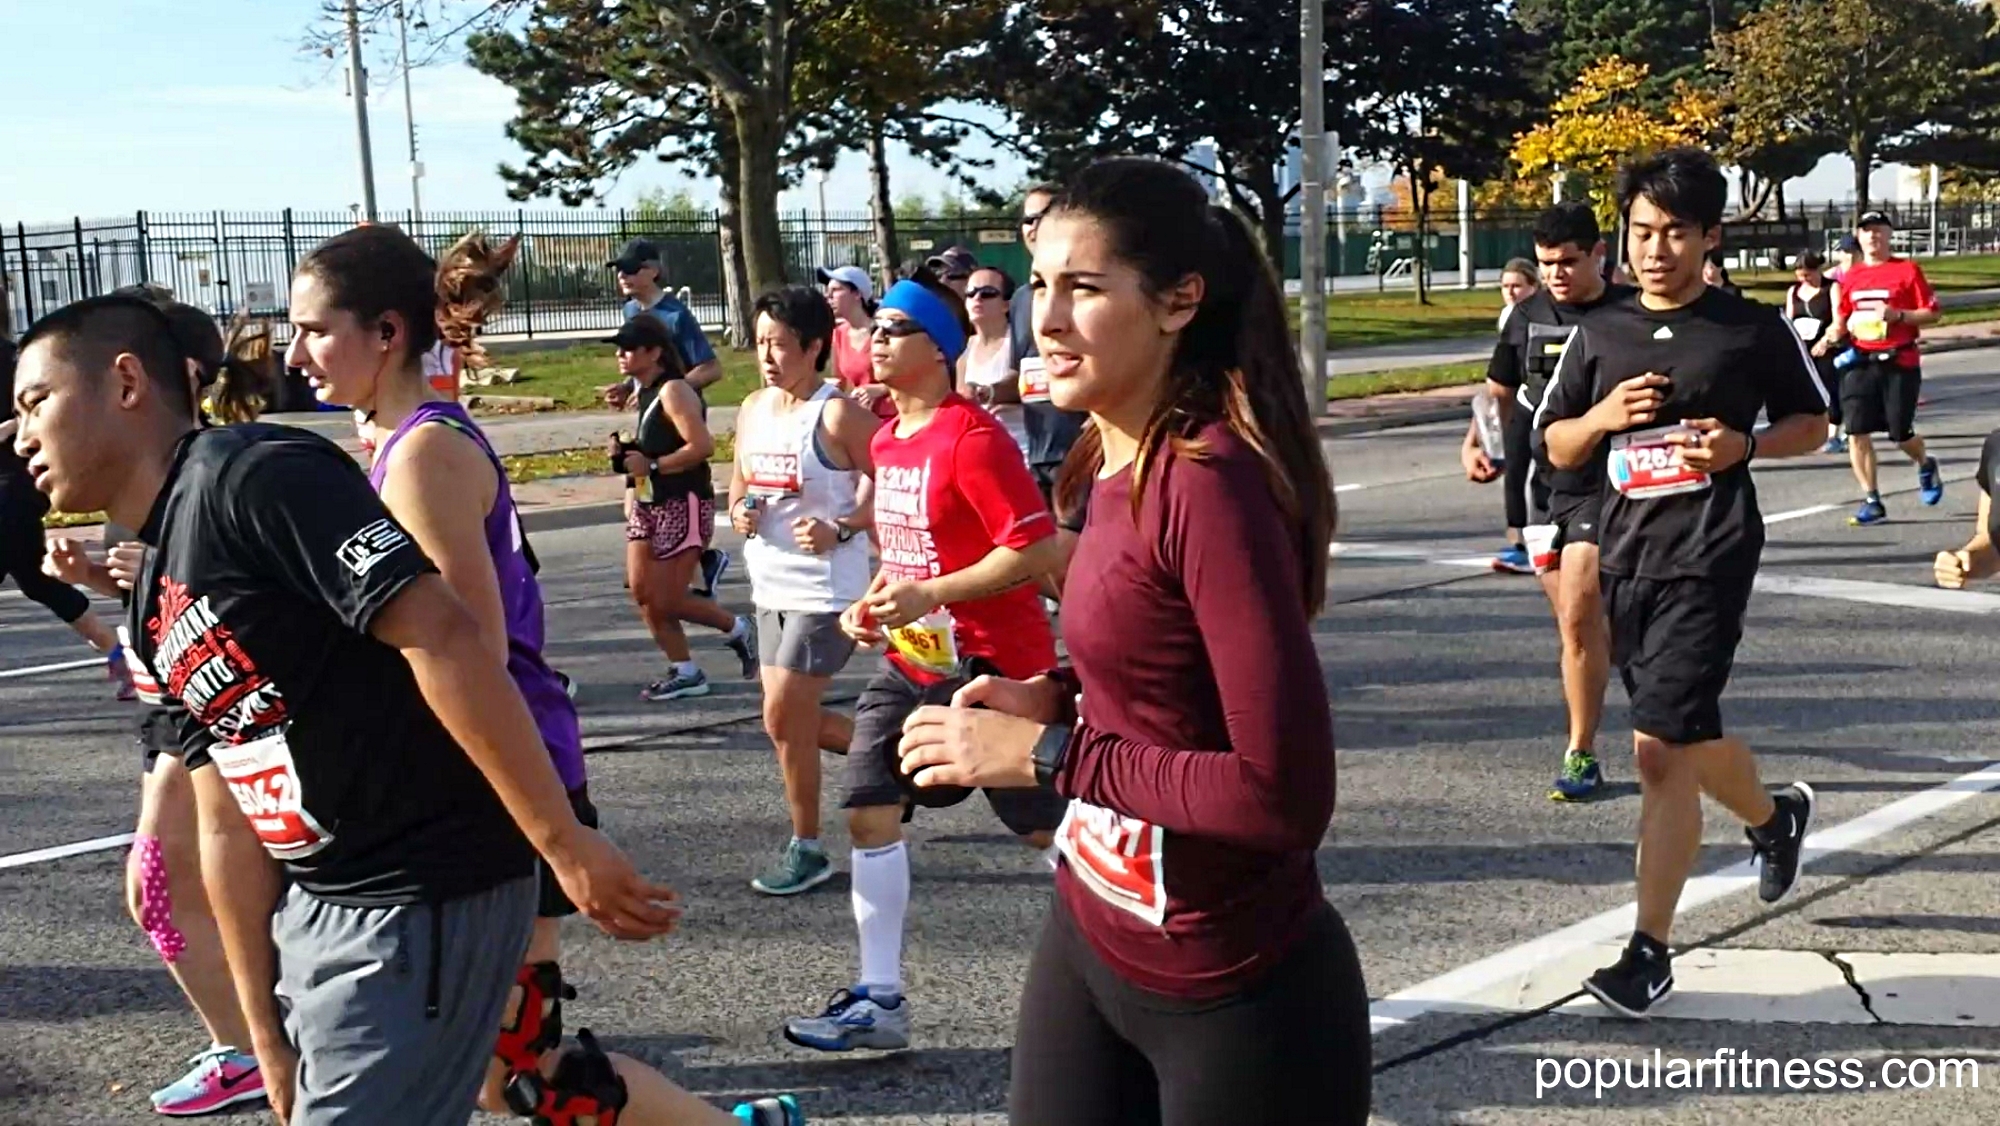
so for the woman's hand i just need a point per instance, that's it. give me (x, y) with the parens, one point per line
(637, 465)
(125, 561)
(969, 747)
(1040, 699)
(857, 623)
(743, 518)
(815, 536)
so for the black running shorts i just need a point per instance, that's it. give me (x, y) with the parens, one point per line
(1578, 515)
(874, 765)
(1881, 398)
(1674, 642)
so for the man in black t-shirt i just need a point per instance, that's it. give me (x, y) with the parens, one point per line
(340, 712)
(1561, 506)
(1667, 386)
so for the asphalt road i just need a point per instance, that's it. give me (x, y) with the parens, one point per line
(1444, 857)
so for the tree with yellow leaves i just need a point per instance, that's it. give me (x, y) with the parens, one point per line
(1603, 121)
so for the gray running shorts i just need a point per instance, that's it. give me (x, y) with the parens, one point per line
(356, 983)
(803, 641)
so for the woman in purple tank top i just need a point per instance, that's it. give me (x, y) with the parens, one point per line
(444, 484)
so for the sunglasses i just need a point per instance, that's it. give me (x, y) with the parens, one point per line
(1033, 219)
(894, 328)
(983, 291)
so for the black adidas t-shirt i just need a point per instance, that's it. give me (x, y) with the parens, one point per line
(1728, 358)
(271, 558)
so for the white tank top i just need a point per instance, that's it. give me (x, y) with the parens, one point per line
(995, 369)
(785, 469)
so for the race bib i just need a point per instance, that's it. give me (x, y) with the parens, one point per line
(1644, 464)
(262, 776)
(1868, 325)
(1034, 380)
(772, 474)
(1120, 859)
(1807, 328)
(928, 643)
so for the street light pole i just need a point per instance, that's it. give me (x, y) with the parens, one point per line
(410, 120)
(358, 76)
(1312, 203)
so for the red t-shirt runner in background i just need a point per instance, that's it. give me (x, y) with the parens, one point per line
(1896, 284)
(945, 497)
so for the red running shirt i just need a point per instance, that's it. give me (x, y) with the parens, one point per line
(945, 497)
(1896, 284)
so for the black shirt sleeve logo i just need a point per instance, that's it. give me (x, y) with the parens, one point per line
(369, 546)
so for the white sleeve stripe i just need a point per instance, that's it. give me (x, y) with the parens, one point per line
(1555, 378)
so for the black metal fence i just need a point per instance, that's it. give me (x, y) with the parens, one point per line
(231, 261)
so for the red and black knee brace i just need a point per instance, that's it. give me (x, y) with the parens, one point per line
(584, 1091)
(537, 1026)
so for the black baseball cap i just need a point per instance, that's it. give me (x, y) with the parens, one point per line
(955, 262)
(1873, 218)
(639, 252)
(642, 331)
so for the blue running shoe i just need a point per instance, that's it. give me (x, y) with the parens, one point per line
(1514, 559)
(714, 565)
(1930, 483)
(1580, 779)
(780, 1111)
(1870, 512)
(854, 1019)
(1835, 445)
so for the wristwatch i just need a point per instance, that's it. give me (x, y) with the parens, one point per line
(842, 533)
(1050, 751)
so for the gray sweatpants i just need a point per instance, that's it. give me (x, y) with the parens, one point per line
(358, 986)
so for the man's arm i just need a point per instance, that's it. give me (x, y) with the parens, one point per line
(705, 375)
(242, 884)
(1002, 569)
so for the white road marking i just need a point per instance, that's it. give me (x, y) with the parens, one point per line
(57, 852)
(1882, 594)
(1450, 991)
(44, 670)
(1350, 487)
(1800, 513)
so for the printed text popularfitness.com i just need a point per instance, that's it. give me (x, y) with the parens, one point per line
(1731, 1070)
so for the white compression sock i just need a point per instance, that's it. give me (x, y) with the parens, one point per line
(881, 899)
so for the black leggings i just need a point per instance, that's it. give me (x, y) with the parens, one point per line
(1095, 1050)
(21, 545)
(1515, 441)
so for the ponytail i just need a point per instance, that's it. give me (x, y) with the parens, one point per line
(471, 288)
(1234, 363)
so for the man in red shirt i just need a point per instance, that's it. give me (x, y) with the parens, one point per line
(965, 536)
(1883, 301)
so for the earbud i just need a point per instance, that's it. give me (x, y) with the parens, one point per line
(388, 332)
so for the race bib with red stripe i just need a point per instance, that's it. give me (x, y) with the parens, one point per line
(262, 776)
(1034, 380)
(771, 474)
(1120, 859)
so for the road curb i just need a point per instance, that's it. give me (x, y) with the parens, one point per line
(558, 518)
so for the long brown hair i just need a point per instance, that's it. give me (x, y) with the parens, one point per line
(1233, 363)
(373, 270)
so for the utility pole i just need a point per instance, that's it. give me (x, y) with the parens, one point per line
(410, 121)
(358, 78)
(1312, 203)
(1465, 265)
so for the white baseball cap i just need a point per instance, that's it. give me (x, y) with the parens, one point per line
(853, 277)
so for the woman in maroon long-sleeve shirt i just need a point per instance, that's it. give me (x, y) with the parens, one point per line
(1192, 971)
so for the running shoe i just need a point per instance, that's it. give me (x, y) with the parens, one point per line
(780, 1111)
(1930, 483)
(1835, 445)
(679, 686)
(1779, 846)
(744, 645)
(1632, 985)
(221, 1077)
(799, 869)
(1514, 559)
(1581, 777)
(714, 565)
(1870, 512)
(120, 673)
(853, 1020)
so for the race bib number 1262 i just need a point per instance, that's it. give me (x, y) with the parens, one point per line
(265, 781)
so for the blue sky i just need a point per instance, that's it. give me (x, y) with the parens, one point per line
(114, 106)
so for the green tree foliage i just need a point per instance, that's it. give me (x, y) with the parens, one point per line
(1671, 38)
(1873, 73)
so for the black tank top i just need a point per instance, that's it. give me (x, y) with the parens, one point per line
(1819, 308)
(658, 437)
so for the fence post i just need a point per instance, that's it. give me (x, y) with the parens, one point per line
(291, 247)
(145, 250)
(27, 271)
(82, 281)
(527, 270)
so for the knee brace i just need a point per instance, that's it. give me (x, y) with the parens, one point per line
(156, 901)
(536, 1028)
(585, 1088)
